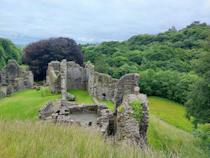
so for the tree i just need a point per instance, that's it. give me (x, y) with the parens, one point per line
(37, 55)
(8, 51)
(198, 104)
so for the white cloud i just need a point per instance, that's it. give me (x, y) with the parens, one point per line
(96, 20)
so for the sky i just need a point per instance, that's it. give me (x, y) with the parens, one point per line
(93, 21)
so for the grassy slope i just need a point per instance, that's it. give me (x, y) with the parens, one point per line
(166, 128)
(170, 131)
(170, 112)
(24, 105)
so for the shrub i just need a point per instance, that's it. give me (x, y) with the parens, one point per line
(137, 109)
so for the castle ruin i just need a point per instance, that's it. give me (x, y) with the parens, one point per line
(63, 76)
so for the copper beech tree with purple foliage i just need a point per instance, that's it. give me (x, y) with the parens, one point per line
(38, 54)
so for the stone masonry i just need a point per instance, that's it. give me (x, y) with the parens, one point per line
(99, 85)
(63, 76)
(14, 78)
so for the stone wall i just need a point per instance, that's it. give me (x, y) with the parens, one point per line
(130, 130)
(99, 85)
(76, 76)
(14, 78)
(63, 76)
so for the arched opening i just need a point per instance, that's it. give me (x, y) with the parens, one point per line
(104, 95)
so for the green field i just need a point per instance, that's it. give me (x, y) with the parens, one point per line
(25, 104)
(169, 132)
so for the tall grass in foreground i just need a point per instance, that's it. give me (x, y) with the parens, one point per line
(44, 140)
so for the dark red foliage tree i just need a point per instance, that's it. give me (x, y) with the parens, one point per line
(37, 55)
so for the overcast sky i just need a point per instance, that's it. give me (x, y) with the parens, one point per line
(24, 21)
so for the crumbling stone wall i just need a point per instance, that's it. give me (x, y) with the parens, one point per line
(127, 84)
(121, 91)
(14, 78)
(53, 76)
(131, 130)
(76, 76)
(100, 85)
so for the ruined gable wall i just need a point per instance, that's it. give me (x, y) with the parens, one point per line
(100, 85)
(127, 84)
(76, 76)
(53, 76)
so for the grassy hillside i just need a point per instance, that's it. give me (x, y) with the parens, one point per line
(170, 112)
(165, 61)
(173, 141)
(169, 131)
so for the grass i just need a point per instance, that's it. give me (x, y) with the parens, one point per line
(107, 103)
(169, 133)
(173, 141)
(170, 112)
(24, 105)
(82, 96)
(42, 140)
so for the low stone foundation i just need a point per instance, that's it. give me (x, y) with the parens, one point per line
(96, 116)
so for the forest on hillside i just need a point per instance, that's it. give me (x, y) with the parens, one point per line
(166, 62)
(173, 64)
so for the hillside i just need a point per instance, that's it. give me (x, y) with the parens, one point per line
(162, 60)
(167, 135)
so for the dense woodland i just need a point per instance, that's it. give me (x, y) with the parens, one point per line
(170, 64)
(173, 64)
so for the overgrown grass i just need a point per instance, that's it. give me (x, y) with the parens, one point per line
(171, 112)
(82, 96)
(25, 104)
(42, 140)
(26, 139)
(173, 141)
(137, 109)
